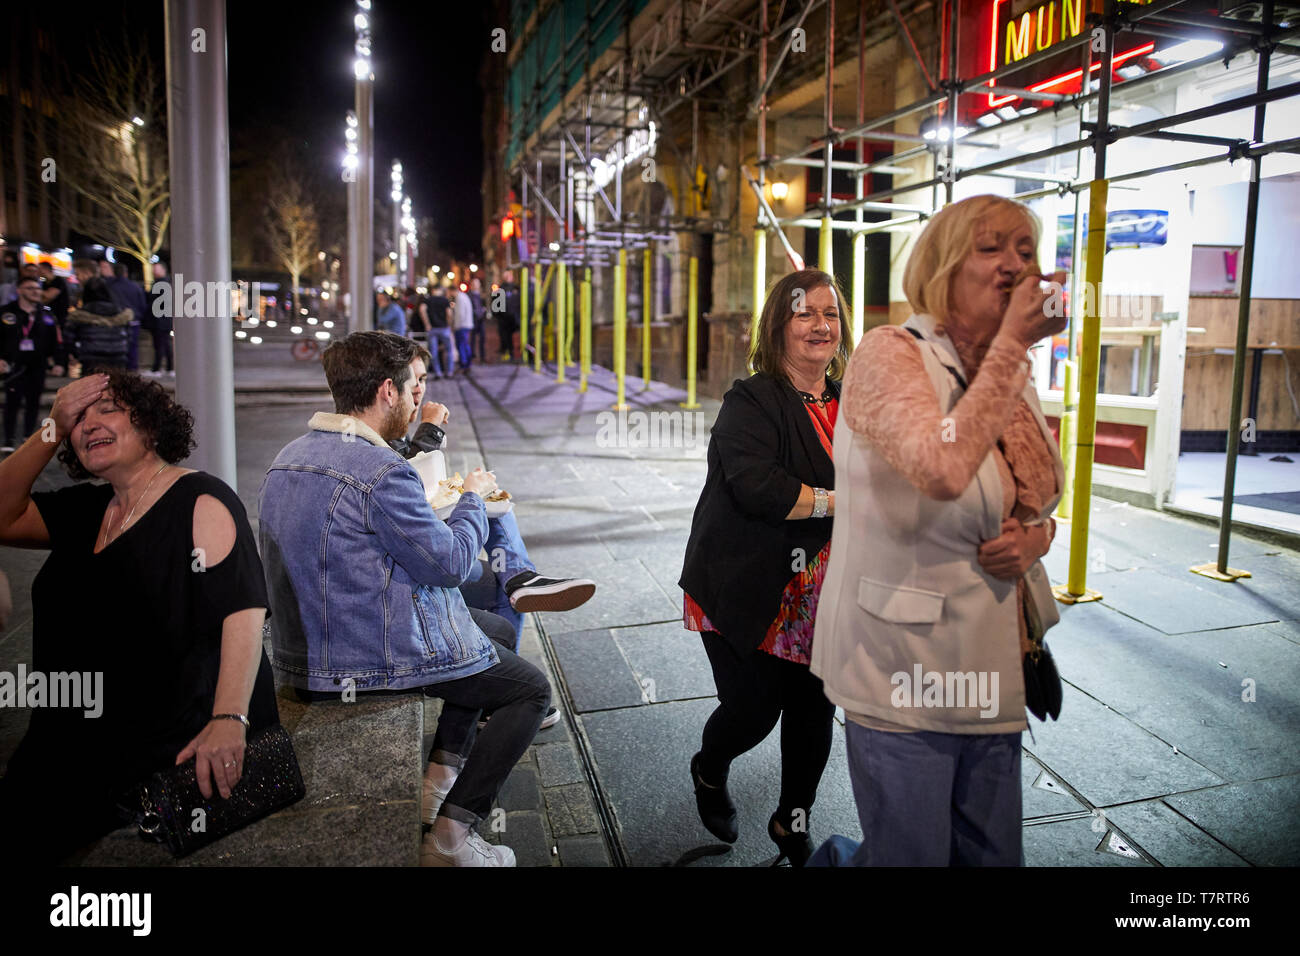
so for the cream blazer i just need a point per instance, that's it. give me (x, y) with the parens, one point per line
(904, 593)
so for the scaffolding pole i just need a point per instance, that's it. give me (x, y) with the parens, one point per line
(620, 328)
(584, 345)
(647, 313)
(1220, 570)
(692, 332)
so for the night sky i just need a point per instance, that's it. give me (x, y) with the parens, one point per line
(290, 69)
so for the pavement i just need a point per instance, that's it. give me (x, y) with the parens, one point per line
(1177, 743)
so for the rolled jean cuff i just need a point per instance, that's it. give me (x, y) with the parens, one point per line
(460, 815)
(447, 759)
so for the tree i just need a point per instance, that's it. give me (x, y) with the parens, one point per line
(294, 229)
(118, 167)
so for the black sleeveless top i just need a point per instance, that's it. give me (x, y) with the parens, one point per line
(146, 612)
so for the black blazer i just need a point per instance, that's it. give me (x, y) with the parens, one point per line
(742, 551)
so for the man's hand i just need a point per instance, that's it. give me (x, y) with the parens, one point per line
(72, 400)
(1012, 553)
(57, 371)
(480, 482)
(4, 366)
(434, 414)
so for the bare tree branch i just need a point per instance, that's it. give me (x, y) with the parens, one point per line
(118, 165)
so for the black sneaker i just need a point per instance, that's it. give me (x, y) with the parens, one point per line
(529, 591)
(550, 720)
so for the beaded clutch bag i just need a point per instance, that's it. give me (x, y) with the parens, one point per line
(173, 811)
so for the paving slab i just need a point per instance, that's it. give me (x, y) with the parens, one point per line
(1107, 758)
(1073, 843)
(1187, 690)
(598, 675)
(1257, 820)
(670, 657)
(643, 755)
(1170, 837)
(1185, 605)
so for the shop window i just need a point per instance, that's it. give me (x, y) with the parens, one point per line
(1216, 270)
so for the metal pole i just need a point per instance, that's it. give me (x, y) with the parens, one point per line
(354, 237)
(560, 289)
(647, 310)
(363, 296)
(1070, 384)
(760, 284)
(396, 197)
(824, 248)
(1221, 569)
(199, 151)
(523, 311)
(1076, 589)
(954, 88)
(692, 332)
(620, 327)
(584, 346)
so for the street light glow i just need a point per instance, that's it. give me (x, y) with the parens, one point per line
(137, 121)
(361, 21)
(361, 68)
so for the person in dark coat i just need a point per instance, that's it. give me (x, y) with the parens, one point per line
(158, 321)
(757, 553)
(29, 340)
(99, 328)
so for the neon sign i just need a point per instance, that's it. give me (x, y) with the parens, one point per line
(1041, 28)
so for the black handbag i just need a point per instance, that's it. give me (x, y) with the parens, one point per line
(173, 812)
(1043, 690)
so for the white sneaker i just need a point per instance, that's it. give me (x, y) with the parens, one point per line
(433, 797)
(475, 851)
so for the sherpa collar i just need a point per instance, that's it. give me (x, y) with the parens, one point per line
(346, 424)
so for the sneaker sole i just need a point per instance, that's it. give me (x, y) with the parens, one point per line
(550, 720)
(563, 597)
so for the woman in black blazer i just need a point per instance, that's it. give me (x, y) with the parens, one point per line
(757, 554)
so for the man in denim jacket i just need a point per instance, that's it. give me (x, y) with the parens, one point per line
(363, 580)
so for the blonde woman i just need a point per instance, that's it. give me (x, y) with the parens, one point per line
(946, 474)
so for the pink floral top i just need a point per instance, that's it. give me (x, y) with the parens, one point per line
(790, 635)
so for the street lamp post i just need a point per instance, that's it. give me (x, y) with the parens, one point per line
(364, 260)
(198, 142)
(351, 161)
(396, 196)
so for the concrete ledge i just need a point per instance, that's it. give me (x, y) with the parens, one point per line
(363, 770)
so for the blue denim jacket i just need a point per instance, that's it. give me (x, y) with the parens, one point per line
(362, 575)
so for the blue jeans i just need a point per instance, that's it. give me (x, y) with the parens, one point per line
(463, 347)
(440, 344)
(934, 799)
(507, 556)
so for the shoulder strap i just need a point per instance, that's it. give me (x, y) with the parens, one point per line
(952, 371)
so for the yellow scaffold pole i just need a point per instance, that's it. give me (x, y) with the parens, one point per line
(537, 318)
(1076, 590)
(584, 341)
(647, 311)
(523, 315)
(760, 286)
(620, 327)
(824, 246)
(692, 333)
(570, 320)
(560, 310)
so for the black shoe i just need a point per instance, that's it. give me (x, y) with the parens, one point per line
(795, 847)
(717, 812)
(529, 591)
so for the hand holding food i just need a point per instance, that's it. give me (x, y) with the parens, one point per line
(1028, 317)
(480, 482)
(434, 413)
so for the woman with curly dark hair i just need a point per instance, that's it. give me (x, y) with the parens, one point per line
(152, 600)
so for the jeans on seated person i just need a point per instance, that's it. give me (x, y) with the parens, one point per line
(485, 587)
(517, 694)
